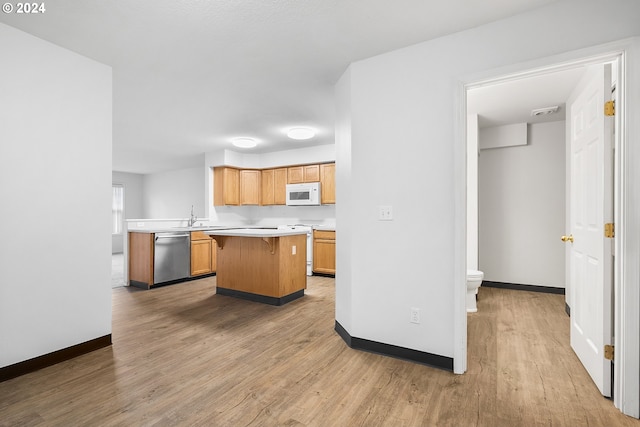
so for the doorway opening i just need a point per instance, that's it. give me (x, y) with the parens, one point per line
(477, 119)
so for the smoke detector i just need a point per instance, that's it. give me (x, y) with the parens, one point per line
(544, 111)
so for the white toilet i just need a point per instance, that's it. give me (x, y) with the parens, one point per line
(474, 280)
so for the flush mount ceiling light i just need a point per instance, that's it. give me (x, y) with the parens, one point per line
(301, 133)
(544, 111)
(244, 142)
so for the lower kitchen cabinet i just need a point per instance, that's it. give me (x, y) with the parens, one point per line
(324, 252)
(203, 254)
(141, 259)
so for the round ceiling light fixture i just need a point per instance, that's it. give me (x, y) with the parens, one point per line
(244, 142)
(301, 133)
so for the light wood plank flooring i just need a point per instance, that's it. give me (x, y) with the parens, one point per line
(185, 356)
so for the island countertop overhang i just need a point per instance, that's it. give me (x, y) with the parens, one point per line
(253, 232)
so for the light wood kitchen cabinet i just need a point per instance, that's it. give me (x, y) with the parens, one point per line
(203, 254)
(273, 186)
(280, 186)
(249, 187)
(311, 173)
(235, 187)
(226, 186)
(141, 259)
(295, 175)
(300, 174)
(324, 252)
(328, 183)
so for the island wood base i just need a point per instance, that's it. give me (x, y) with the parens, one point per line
(269, 269)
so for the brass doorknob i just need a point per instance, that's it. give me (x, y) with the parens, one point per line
(568, 238)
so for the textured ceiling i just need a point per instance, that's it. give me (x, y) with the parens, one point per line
(189, 75)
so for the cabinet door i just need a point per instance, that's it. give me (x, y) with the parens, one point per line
(199, 235)
(249, 187)
(328, 183)
(226, 186)
(295, 175)
(214, 256)
(280, 186)
(311, 173)
(200, 257)
(268, 187)
(324, 252)
(141, 258)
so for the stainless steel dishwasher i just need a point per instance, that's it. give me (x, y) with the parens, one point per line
(171, 259)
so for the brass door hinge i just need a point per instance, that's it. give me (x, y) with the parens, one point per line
(609, 108)
(608, 352)
(609, 230)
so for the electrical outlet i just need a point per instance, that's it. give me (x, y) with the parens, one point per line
(415, 315)
(293, 250)
(385, 213)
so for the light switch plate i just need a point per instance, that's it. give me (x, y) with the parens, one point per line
(385, 213)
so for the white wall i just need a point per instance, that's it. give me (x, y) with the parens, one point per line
(401, 150)
(55, 170)
(171, 194)
(472, 191)
(346, 181)
(522, 209)
(132, 183)
(503, 136)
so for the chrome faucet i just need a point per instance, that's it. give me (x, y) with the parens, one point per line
(193, 218)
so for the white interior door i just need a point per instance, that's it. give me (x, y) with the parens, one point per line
(590, 206)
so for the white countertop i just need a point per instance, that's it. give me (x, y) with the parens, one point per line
(254, 232)
(205, 228)
(325, 227)
(181, 229)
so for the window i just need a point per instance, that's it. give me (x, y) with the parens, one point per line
(117, 208)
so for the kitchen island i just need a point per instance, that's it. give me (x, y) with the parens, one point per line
(263, 265)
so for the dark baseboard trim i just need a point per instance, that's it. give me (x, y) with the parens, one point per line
(567, 310)
(518, 287)
(50, 359)
(433, 360)
(146, 286)
(260, 298)
(139, 285)
(343, 333)
(324, 274)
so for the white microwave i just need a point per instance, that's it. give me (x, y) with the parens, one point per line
(307, 194)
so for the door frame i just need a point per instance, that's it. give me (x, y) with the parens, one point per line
(627, 210)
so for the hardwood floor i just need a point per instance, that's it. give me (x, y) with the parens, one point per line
(184, 356)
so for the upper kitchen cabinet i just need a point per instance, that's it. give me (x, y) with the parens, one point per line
(280, 187)
(300, 174)
(273, 185)
(226, 186)
(268, 186)
(328, 183)
(249, 187)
